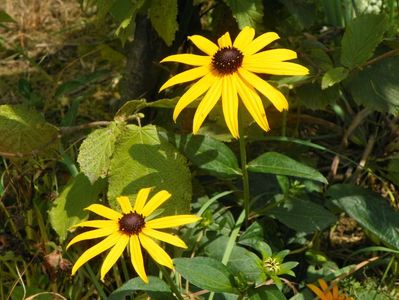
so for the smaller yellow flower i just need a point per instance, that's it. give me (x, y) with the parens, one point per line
(328, 294)
(133, 228)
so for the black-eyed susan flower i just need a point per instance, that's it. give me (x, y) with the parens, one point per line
(132, 228)
(228, 71)
(325, 293)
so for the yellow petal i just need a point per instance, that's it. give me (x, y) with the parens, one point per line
(245, 37)
(105, 244)
(155, 251)
(93, 234)
(329, 296)
(276, 68)
(270, 55)
(136, 257)
(230, 104)
(104, 211)
(171, 221)
(207, 103)
(224, 41)
(335, 291)
(189, 59)
(253, 103)
(317, 291)
(196, 90)
(323, 284)
(204, 44)
(124, 203)
(96, 223)
(260, 42)
(164, 237)
(274, 95)
(141, 199)
(155, 202)
(113, 255)
(186, 76)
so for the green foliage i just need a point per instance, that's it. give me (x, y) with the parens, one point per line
(246, 13)
(143, 159)
(163, 16)
(68, 209)
(266, 292)
(333, 76)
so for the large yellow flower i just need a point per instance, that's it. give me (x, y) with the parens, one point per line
(131, 228)
(326, 294)
(228, 70)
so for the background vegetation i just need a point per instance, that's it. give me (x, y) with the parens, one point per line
(81, 121)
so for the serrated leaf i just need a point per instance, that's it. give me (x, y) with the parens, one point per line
(279, 164)
(270, 292)
(163, 16)
(303, 215)
(370, 210)
(333, 76)
(96, 150)
(143, 159)
(208, 154)
(23, 130)
(361, 37)
(246, 13)
(69, 206)
(376, 87)
(156, 286)
(206, 273)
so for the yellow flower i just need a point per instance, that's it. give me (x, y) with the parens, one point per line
(228, 71)
(326, 294)
(131, 229)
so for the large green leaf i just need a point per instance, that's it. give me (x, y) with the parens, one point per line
(361, 37)
(303, 215)
(155, 286)
(370, 210)
(279, 164)
(270, 292)
(206, 273)
(143, 159)
(312, 96)
(163, 16)
(96, 151)
(69, 206)
(24, 131)
(246, 13)
(376, 87)
(207, 153)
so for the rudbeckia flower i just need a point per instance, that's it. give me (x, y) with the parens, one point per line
(228, 71)
(133, 228)
(326, 294)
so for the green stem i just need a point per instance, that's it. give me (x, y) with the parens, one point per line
(172, 285)
(244, 171)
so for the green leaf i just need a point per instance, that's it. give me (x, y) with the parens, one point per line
(68, 207)
(206, 273)
(5, 18)
(361, 37)
(130, 107)
(246, 13)
(96, 150)
(157, 287)
(143, 159)
(303, 215)
(208, 154)
(269, 292)
(241, 260)
(163, 16)
(376, 87)
(313, 97)
(393, 170)
(333, 76)
(279, 164)
(24, 131)
(370, 210)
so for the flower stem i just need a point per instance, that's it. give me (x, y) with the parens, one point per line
(244, 171)
(170, 282)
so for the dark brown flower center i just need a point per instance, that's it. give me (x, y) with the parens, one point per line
(131, 223)
(227, 60)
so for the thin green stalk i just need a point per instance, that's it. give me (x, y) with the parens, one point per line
(244, 171)
(172, 285)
